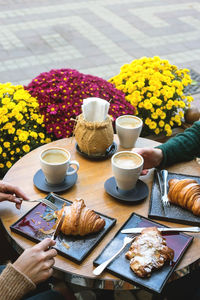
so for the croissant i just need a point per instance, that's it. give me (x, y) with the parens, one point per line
(80, 220)
(185, 193)
(148, 251)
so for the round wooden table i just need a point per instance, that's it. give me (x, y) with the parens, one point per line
(90, 187)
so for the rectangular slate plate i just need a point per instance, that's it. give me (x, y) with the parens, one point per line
(79, 247)
(173, 213)
(120, 266)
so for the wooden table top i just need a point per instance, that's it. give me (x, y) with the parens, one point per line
(90, 187)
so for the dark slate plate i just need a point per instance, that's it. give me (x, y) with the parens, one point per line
(120, 266)
(139, 193)
(109, 152)
(41, 183)
(173, 213)
(79, 247)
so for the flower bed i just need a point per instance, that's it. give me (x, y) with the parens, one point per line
(156, 89)
(47, 108)
(60, 94)
(21, 125)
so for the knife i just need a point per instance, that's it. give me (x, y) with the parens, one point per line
(162, 229)
(59, 225)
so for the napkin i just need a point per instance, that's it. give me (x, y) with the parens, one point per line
(95, 109)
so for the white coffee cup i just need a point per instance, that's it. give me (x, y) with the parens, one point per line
(55, 163)
(126, 167)
(128, 129)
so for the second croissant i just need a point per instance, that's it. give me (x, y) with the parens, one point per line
(186, 193)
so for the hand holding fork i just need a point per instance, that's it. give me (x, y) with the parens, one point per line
(42, 200)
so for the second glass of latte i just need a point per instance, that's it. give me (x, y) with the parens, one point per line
(126, 167)
(128, 129)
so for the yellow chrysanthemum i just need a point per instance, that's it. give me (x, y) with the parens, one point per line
(189, 98)
(34, 134)
(47, 140)
(16, 124)
(169, 132)
(11, 105)
(6, 144)
(177, 119)
(23, 136)
(167, 127)
(5, 100)
(148, 121)
(156, 83)
(181, 104)
(26, 148)
(157, 131)
(181, 114)
(152, 125)
(19, 116)
(161, 124)
(8, 164)
(147, 105)
(41, 135)
(168, 106)
(154, 115)
(141, 105)
(163, 116)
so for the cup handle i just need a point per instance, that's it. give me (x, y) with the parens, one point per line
(73, 162)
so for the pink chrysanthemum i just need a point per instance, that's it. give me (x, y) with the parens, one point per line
(60, 94)
(52, 109)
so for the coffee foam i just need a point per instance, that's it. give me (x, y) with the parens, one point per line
(127, 161)
(129, 122)
(55, 156)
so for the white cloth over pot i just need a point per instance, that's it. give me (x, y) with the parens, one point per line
(95, 109)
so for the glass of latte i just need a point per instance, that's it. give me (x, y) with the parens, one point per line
(126, 167)
(55, 163)
(128, 129)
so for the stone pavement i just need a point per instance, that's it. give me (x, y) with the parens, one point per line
(95, 36)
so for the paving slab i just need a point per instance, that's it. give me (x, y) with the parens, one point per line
(35, 31)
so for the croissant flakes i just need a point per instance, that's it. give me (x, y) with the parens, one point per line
(80, 220)
(186, 193)
(148, 251)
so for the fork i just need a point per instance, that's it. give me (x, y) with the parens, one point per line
(165, 199)
(98, 270)
(42, 200)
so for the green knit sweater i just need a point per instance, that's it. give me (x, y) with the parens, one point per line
(183, 147)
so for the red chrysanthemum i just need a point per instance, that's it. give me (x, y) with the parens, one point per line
(60, 94)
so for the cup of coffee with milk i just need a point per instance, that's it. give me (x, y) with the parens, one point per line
(55, 163)
(126, 167)
(128, 129)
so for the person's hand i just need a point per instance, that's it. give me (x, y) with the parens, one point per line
(37, 262)
(152, 157)
(11, 193)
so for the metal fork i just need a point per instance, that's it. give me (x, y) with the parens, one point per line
(98, 270)
(165, 199)
(42, 200)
